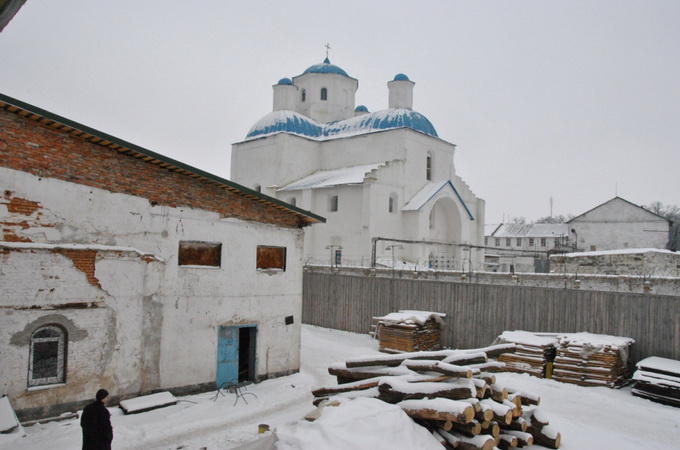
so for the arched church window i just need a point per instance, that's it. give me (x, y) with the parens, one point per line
(333, 205)
(257, 188)
(303, 95)
(293, 201)
(432, 218)
(324, 94)
(47, 359)
(428, 167)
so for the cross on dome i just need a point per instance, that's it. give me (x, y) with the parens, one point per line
(328, 47)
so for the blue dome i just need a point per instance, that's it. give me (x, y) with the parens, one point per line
(361, 108)
(381, 120)
(285, 81)
(325, 67)
(285, 122)
(294, 123)
(401, 77)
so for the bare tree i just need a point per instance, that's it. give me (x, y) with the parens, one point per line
(670, 212)
(555, 219)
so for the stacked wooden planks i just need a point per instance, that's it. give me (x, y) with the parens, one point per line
(453, 393)
(409, 331)
(658, 379)
(589, 359)
(534, 354)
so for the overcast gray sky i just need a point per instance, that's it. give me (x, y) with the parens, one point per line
(574, 100)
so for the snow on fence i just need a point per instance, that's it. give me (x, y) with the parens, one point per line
(477, 313)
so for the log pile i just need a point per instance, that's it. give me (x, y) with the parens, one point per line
(534, 354)
(409, 331)
(658, 379)
(453, 393)
(589, 359)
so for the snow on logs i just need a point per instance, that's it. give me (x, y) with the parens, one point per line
(658, 379)
(453, 393)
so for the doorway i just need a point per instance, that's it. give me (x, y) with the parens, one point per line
(236, 355)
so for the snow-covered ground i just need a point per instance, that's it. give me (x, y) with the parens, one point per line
(588, 418)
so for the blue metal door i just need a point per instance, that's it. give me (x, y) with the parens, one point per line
(227, 356)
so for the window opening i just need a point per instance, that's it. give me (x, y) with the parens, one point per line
(303, 95)
(324, 94)
(271, 257)
(293, 201)
(391, 204)
(47, 361)
(200, 254)
(428, 169)
(257, 188)
(333, 203)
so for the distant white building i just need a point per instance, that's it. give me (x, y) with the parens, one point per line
(524, 247)
(383, 174)
(619, 224)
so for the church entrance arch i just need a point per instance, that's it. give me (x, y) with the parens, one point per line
(445, 225)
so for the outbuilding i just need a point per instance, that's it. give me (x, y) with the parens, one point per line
(127, 270)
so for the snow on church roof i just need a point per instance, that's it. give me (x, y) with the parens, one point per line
(287, 121)
(325, 67)
(428, 192)
(336, 177)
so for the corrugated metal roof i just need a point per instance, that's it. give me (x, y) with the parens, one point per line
(531, 230)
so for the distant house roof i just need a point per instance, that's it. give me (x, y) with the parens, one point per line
(428, 192)
(105, 140)
(617, 198)
(335, 177)
(532, 230)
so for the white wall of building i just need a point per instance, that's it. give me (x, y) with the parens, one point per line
(618, 224)
(152, 323)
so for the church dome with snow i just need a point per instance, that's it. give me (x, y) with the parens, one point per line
(294, 123)
(381, 120)
(325, 67)
(285, 121)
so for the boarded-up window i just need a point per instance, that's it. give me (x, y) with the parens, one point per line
(200, 254)
(271, 258)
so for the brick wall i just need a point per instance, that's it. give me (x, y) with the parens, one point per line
(31, 147)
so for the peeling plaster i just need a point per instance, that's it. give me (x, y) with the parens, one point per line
(23, 338)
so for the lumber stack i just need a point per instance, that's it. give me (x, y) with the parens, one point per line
(658, 379)
(453, 393)
(534, 354)
(589, 359)
(409, 331)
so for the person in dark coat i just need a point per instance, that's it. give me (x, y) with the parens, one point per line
(96, 424)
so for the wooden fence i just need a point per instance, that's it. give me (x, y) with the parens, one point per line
(478, 313)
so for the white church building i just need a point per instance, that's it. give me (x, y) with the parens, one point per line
(384, 180)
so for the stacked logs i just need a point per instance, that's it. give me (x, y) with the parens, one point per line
(587, 359)
(658, 379)
(409, 331)
(534, 352)
(452, 393)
